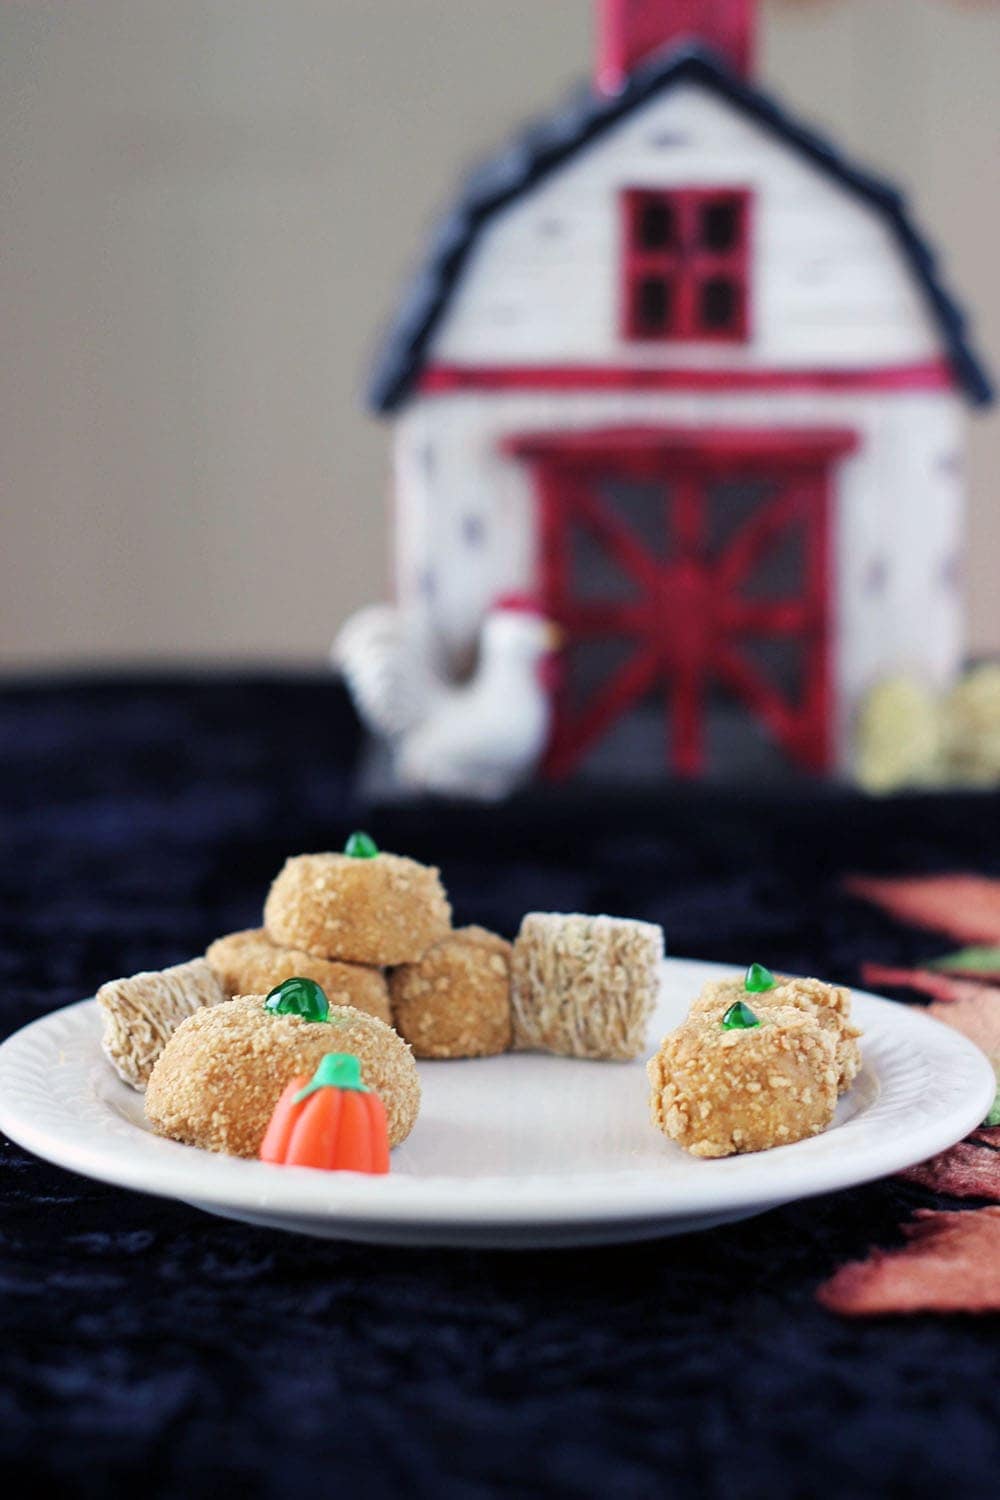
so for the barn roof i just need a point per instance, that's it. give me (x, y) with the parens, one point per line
(543, 147)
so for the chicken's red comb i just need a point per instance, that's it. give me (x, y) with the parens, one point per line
(520, 604)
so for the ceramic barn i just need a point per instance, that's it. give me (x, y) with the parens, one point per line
(692, 379)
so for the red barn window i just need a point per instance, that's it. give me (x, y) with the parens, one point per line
(686, 264)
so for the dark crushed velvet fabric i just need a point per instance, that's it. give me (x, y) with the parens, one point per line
(147, 1345)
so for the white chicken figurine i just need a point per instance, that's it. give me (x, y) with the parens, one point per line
(476, 739)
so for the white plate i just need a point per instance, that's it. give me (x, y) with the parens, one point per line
(518, 1150)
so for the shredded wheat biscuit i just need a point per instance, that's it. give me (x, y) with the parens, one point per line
(140, 1014)
(584, 986)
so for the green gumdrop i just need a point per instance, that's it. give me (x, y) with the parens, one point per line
(758, 979)
(298, 997)
(361, 846)
(739, 1017)
(337, 1070)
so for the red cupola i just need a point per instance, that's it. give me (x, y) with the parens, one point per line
(630, 31)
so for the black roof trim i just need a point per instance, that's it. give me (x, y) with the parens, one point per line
(543, 147)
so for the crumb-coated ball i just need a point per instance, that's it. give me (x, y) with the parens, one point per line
(456, 1001)
(248, 963)
(830, 1004)
(384, 910)
(215, 1086)
(720, 1092)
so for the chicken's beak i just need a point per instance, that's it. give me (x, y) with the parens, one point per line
(555, 636)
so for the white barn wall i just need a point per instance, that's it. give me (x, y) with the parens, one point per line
(467, 531)
(829, 286)
(209, 213)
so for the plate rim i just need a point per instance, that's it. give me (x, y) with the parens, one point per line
(506, 1204)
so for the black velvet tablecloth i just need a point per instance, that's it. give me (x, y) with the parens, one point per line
(148, 1346)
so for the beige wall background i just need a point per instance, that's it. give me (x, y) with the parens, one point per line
(207, 209)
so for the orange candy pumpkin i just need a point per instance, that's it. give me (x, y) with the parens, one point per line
(332, 1121)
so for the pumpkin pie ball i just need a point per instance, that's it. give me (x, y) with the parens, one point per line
(216, 1086)
(719, 1091)
(456, 1001)
(248, 963)
(829, 1004)
(381, 909)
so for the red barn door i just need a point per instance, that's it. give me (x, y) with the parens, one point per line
(690, 613)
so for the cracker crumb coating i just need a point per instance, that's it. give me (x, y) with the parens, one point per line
(141, 1014)
(222, 1072)
(383, 911)
(456, 1001)
(830, 1004)
(248, 963)
(585, 986)
(719, 1093)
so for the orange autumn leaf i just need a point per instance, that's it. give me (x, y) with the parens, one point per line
(951, 1264)
(964, 1004)
(924, 981)
(968, 1170)
(965, 906)
(975, 1014)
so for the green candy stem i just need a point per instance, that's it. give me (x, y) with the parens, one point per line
(298, 997)
(739, 1017)
(361, 846)
(758, 979)
(337, 1070)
